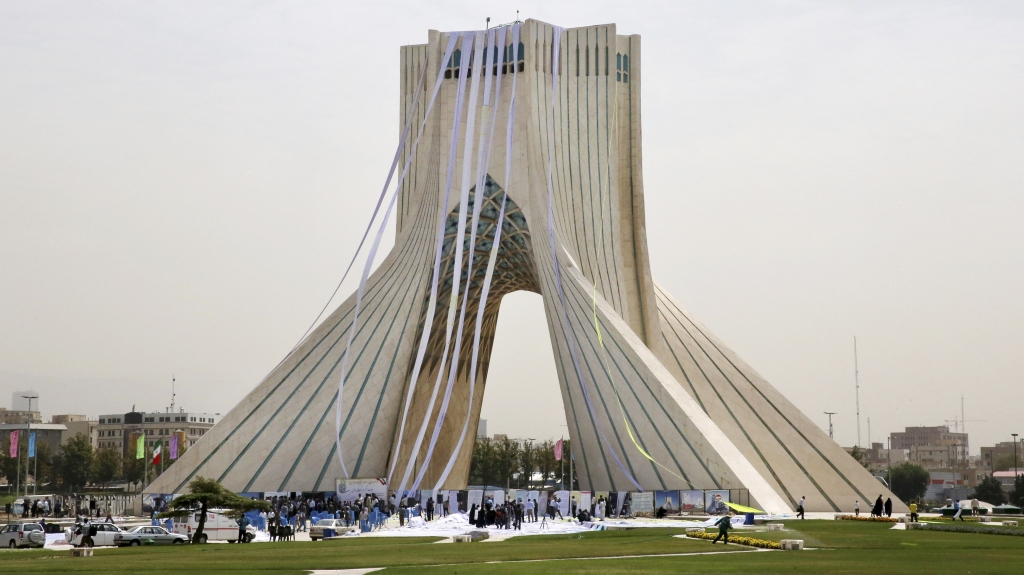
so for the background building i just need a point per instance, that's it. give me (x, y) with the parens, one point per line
(991, 455)
(120, 431)
(77, 424)
(46, 433)
(19, 416)
(20, 402)
(929, 447)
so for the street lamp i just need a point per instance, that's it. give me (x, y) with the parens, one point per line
(28, 425)
(830, 414)
(1014, 457)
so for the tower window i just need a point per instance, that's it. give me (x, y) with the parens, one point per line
(452, 71)
(618, 67)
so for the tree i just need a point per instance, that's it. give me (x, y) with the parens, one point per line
(546, 464)
(527, 464)
(908, 481)
(481, 466)
(106, 466)
(1017, 495)
(132, 469)
(74, 463)
(506, 459)
(1005, 463)
(859, 454)
(207, 493)
(990, 490)
(9, 467)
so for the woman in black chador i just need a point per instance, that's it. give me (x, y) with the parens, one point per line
(876, 511)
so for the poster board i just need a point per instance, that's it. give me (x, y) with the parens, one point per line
(352, 489)
(498, 495)
(641, 501)
(542, 503)
(691, 501)
(667, 499)
(715, 501)
(475, 497)
(561, 501)
(585, 500)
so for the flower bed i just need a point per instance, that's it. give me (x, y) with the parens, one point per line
(967, 518)
(738, 539)
(868, 518)
(961, 528)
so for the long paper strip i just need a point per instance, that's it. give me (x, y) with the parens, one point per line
(376, 243)
(477, 42)
(555, 51)
(482, 161)
(492, 256)
(432, 301)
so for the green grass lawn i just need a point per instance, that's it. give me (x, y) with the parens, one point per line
(841, 547)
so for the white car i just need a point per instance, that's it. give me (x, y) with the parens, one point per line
(316, 532)
(105, 534)
(22, 535)
(148, 534)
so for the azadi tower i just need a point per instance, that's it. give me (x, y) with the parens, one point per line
(520, 168)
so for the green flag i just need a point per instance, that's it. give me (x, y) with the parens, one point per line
(140, 446)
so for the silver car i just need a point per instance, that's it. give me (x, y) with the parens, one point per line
(22, 535)
(145, 534)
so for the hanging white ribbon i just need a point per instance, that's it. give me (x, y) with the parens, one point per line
(432, 301)
(477, 42)
(555, 53)
(482, 162)
(380, 232)
(493, 255)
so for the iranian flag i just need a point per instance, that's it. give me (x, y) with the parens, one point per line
(156, 451)
(558, 450)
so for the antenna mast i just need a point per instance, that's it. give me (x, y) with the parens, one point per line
(963, 421)
(856, 384)
(172, 393)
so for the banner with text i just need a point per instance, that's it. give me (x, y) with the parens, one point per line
(352, 489)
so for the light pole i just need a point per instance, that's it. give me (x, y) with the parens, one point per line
(830, 414)
(28, 428)
(1014, 456)
(888, 460)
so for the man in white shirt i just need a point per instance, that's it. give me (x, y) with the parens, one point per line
(800, 507)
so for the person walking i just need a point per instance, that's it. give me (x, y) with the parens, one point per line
(888, 507)
(856, 507)
(876, 511)
(959, 511)
(913, 512)
(975, 507)
(724, 523)
(800, 507)
(430, 509)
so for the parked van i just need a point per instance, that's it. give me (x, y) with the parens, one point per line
(218, 527)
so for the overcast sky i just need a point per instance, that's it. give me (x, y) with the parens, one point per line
(182, 183)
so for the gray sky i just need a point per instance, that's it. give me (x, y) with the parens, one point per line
(182, 183)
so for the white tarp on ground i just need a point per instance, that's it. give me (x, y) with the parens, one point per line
(458, 524)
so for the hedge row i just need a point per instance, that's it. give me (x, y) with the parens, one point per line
(738, 539)
(868, 518)
(961, 528)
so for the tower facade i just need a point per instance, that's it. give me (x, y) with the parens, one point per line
(521, 169)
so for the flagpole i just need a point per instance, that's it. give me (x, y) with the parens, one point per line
(561, 460)
(17, 449)
(35, 472)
